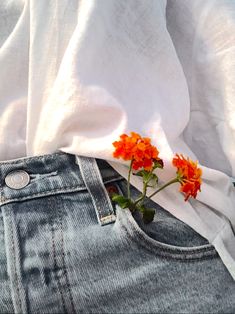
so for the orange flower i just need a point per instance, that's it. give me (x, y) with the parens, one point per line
(189, 175)
(137, 148)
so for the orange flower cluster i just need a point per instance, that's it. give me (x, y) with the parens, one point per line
(189, 176)
(137, 148)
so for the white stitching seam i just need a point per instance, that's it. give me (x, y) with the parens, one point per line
(51, 192)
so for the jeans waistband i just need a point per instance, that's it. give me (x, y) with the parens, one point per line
(47, 174)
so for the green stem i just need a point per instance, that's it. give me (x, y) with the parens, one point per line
(145, 185)
(128, 182)
(142, 195)
(164, 186)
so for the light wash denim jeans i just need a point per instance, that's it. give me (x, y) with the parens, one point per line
(66, 248)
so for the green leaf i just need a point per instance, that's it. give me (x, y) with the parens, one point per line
(153, 180)
(158, 163)
(146, 176)
(141, 208)
(139, 173)
(148, 213)
(143, 173)
(121, 200)
(115, 195)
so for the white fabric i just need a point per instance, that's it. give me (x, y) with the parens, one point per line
(77, 74)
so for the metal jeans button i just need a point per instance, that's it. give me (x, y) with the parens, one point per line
(17, 179)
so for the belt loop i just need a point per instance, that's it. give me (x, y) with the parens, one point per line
(93, 180)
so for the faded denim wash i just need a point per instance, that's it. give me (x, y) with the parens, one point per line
(66, 248)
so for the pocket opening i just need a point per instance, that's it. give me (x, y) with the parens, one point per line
(166, 233)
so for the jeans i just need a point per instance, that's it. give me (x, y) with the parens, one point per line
(65, 247)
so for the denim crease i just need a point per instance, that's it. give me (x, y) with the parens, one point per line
(65, 247)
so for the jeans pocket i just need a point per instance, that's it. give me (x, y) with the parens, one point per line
(165, 235)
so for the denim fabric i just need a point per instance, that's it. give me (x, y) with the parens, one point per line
(66, 248)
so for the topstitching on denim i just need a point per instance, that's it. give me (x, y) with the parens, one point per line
(91, 173)
(60, 263)
(14, 265)
(49, 174)
(60, 260)
(136, 234)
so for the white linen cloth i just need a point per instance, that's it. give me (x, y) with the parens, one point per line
(74, 75)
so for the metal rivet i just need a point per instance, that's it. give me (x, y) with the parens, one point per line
(17, 179)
